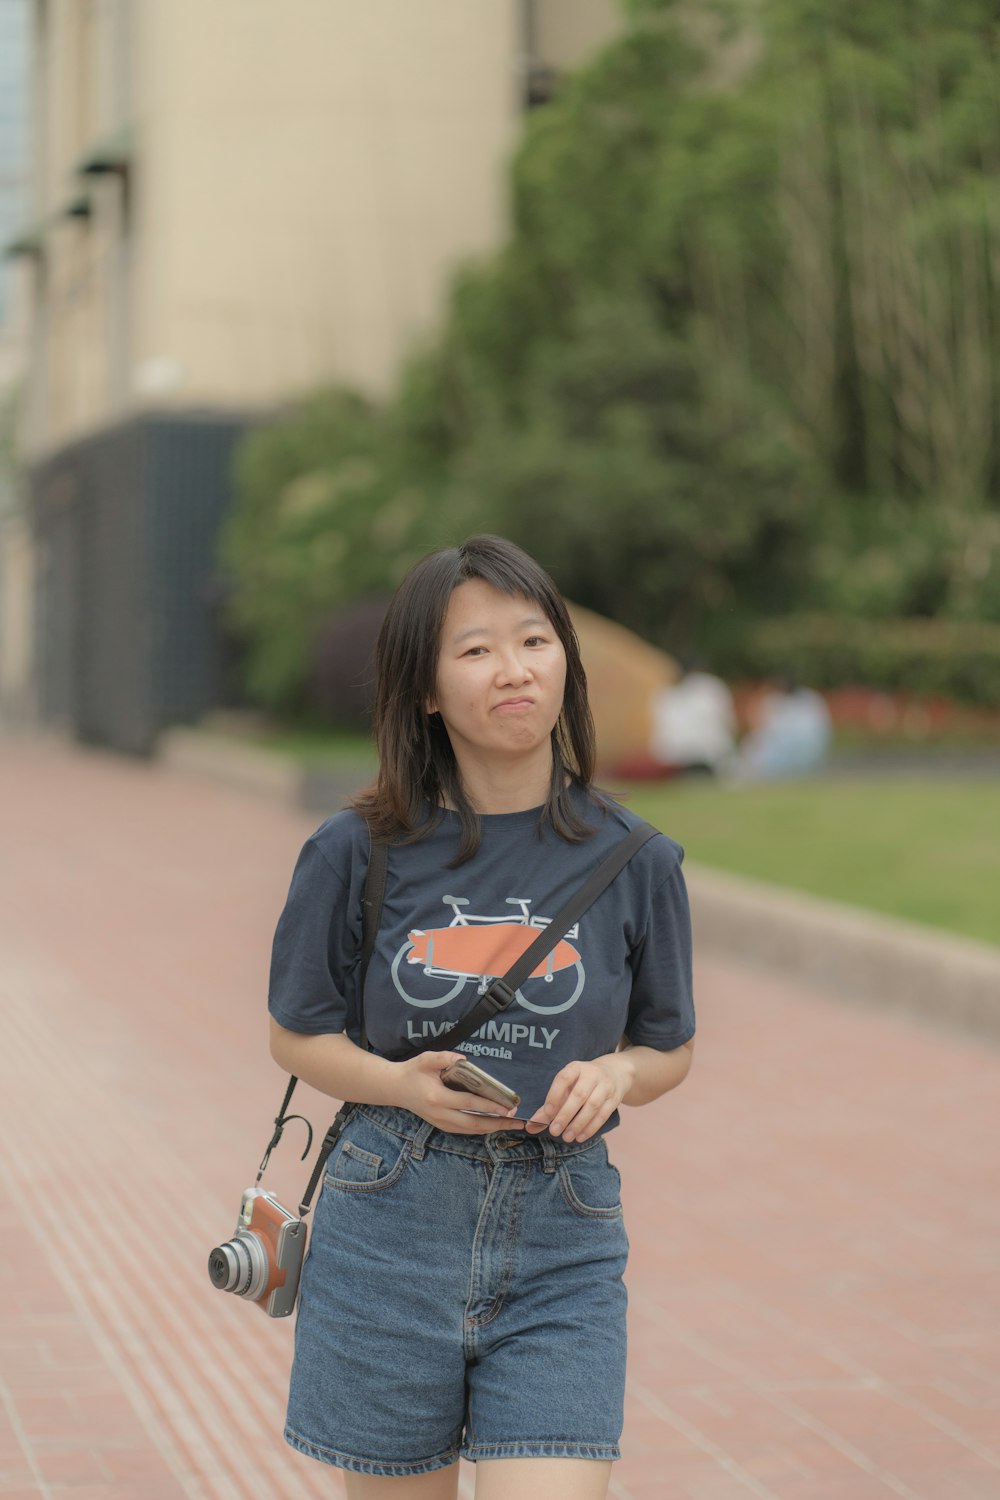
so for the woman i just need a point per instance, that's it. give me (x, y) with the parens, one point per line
(462, 1294)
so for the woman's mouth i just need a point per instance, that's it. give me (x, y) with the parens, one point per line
(514, 705)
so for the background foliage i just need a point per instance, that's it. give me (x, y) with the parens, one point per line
(740, 357)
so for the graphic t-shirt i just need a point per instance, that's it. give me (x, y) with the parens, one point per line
(624, 969)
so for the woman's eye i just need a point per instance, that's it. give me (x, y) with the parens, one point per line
(535, 640)
(475, 650)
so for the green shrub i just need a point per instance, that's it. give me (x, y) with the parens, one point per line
(951, 658)
(886, 559)
(325, 515)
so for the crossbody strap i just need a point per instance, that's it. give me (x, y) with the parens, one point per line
(502, 992)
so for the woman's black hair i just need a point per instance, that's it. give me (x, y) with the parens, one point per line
(417, 765)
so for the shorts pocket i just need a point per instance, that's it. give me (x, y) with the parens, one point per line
(590, 1184)
(354, 1164)
(368, 1160)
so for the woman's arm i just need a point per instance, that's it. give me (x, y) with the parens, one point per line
(333, 1064)
(649, 1073)
(585, 1094)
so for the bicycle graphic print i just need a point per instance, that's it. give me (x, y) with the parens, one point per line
(481, 948)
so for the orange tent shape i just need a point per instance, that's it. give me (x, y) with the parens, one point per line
(490, 949)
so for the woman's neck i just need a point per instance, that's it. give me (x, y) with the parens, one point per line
(507, 786)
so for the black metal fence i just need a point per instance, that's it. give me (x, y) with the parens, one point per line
(127, 626)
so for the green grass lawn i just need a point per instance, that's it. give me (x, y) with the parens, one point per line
(925, 850)
(321, 747)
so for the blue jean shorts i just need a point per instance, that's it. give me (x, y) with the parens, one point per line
(462, 1295)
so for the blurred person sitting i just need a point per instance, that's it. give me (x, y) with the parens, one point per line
(694, 722)
(791, 735)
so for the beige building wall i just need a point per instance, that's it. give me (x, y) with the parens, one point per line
(310, 173)
(303, 178)
(80, 97)
(306, 177)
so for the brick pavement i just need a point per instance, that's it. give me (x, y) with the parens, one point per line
(815, 1223)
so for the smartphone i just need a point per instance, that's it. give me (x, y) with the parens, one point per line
(467, 1078)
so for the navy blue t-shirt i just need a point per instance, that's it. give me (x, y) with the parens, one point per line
(625, 969)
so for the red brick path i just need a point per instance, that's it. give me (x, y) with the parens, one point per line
(814, 1216)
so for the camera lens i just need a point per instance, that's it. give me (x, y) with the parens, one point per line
(239, 1266)
(219, 1268)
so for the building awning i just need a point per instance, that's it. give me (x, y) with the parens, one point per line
(78, 207)
(30, 241)
(112, 154)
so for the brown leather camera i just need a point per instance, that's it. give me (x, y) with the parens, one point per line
(263, 1259)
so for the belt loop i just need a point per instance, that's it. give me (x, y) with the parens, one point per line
(549, 1154)
(418, 1141)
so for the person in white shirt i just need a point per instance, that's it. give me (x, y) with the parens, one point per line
(694, 722)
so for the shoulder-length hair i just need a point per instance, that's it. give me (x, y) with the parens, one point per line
(417, 766)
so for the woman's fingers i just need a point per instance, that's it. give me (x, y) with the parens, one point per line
(590, 1117)
(559, 1090)
(453, 1110)
(464, 1100)
(581, 1098)
(570, 1091)
(479, 1124)
(564, 1123)
(471, 1114)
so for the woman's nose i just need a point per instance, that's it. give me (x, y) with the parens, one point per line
(514, 667)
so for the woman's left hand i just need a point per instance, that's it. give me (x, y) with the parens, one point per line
(582, 1096)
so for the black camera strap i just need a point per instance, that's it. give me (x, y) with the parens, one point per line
(500, 994)
(371, 921)
(372, 899)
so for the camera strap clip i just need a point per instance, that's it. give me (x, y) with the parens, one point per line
(329, 1141)
(281, 1120)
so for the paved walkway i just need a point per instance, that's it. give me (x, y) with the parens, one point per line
(814, 1216)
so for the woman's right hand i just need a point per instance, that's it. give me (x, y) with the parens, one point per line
(422, 1092)
(335, 1065)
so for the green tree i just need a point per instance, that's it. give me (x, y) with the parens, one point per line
(740, 354)
(328, 511)
(629, 475)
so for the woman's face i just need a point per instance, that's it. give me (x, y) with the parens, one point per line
(501, 674)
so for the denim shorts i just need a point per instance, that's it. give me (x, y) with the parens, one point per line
(462, 1295)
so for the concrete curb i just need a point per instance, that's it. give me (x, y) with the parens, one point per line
(849, 953)
(260, 772)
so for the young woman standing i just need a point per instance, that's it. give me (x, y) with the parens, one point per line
(462, 1294)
